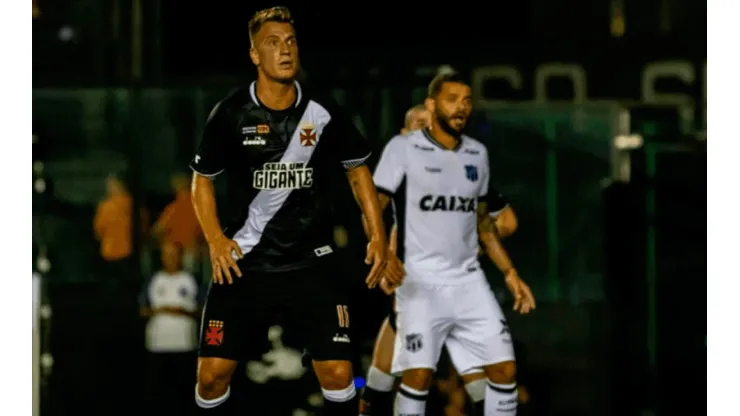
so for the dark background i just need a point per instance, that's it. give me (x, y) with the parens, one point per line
(618, 266)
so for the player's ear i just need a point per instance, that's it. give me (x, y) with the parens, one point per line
(254, 56)
(429, 105)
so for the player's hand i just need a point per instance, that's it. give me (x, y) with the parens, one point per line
(523, 297)
(377, 255)
(386, 287)
(394, 271)
(222, 260)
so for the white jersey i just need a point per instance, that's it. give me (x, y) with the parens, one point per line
(435, 195)
(172, 333)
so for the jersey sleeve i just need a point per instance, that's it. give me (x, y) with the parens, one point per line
(352, 149)
(391, 167)
(485, 175)
(210, 160)
(496, 202)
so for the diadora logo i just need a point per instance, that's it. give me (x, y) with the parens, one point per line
(256, 141)
(471, 151)
(341, 338)
(283, 175)
(432, 169)
(447, 203)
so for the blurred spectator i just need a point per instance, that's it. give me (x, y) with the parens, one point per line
(171, 302)
(177, 222)
(113, 228)
(277, 367)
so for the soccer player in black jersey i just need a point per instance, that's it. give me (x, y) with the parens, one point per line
(280, 145)
(377, 397)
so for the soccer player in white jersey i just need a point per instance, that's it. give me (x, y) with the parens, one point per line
(438, 179)
(377, 397)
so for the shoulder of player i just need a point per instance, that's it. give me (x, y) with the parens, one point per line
(416, 140)
(322, 98)
(400, 141)
(235, 99)
(473, 146)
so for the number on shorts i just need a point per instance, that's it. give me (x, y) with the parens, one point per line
(343, 315)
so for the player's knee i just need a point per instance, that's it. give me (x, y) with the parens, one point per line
(418, 378)
(502, 373)
(214, 376)
(473, 377)
(382, 363)
(333, 375)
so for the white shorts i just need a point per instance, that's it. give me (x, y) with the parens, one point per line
(466, 318)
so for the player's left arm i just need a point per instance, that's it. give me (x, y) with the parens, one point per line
(523, 297)
(363, 189)
(352, 150)
(489, 237)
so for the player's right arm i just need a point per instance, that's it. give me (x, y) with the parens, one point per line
(393, 239)
(209, 162)
(389, 173)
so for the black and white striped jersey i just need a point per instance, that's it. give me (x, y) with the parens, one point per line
(281, 169)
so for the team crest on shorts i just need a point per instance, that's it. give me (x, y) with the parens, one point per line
(471, 172)
(308, 134)
(413, 342)
(215, 333)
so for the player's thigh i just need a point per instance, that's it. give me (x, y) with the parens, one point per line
(227, 324)
(324, 324)
(465, 362)
(422, 324)
(480, 329)
(383, 351)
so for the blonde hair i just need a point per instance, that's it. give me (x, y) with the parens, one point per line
(273, 14)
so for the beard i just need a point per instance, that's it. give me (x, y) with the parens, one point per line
(444, 122)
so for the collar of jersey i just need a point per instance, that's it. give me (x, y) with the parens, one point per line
(253, 93)
(434, 141)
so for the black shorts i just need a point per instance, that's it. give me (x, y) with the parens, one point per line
(311, 302)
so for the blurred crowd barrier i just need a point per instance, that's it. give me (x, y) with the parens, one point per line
(551, 161)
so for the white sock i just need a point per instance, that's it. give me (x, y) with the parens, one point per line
(379, 381)
(477, 390)
(410, 402)
(210, 404)
(501, 399)
(340, 396)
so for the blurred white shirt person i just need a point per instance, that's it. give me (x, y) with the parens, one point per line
(171, 301)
